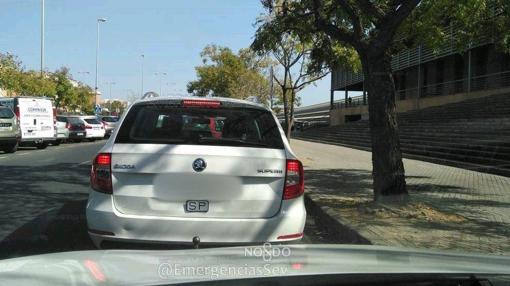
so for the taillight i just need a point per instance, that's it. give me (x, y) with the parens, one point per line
(88, 127)
(16, 111)
(68, 125)
(294, 180)
(200, 103)
(101, 173)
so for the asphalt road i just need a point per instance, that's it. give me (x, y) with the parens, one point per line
(42, 201)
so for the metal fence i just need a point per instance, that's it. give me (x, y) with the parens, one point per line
(319, 114)
(465, 85)
(351, 102)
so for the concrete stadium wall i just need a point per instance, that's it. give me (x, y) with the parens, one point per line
(337, 116)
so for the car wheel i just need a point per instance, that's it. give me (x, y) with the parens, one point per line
(57, 142)
(42, 145)
(11, 148)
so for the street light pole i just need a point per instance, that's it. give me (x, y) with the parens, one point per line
(143, 57)
(42, 37)
(97, 56)
(161, 74)
(111, 83)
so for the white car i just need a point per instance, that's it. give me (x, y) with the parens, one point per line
(187, 170)
(94, 129)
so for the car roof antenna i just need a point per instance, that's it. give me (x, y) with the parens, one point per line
(196, 242)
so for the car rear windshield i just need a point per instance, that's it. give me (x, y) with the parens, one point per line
(6, 113)
(224, 126)
(110, 119)
(74, 120)
(91, 121)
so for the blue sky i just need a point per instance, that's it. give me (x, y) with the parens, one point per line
(170, 33)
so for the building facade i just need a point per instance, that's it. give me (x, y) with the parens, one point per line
(425, 77)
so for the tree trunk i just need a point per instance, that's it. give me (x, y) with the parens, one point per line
(291, 112)
(388, 170)
(285, 111)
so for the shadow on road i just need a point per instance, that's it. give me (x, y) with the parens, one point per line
(42, 207)
(57, 230)
(343, 188)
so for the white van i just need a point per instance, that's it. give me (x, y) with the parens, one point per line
(36, 117)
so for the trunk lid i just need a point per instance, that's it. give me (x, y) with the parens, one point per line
(158, 180)
(155, 170)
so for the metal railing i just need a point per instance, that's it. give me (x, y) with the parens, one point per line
(464, 85)
(351, 102)
(477, 83)
(319, 113)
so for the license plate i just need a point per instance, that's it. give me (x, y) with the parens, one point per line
(96, 128)
(79, 134)
(197, 206)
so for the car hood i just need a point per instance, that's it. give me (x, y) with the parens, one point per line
(140, 267)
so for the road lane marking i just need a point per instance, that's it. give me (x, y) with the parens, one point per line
(3, 157)
(85, 163)
(21, 154)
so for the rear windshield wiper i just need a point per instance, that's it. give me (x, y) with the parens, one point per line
(231, 141)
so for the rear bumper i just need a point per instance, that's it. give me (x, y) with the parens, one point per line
(62, 135)
(95, 135)
(38, 140)
(74, 134)
(102, 217)
(8, 140)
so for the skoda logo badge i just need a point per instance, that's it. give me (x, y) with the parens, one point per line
(199, 165)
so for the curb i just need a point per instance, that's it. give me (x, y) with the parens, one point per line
(333, 223)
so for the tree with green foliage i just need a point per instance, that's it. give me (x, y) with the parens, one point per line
(227, 74)
(375, 30)
(293, 57)
(117, 106)
(10, 73)
(65, 90)
(32, 84)
(17, 81)
(84, 99)
(113, 106)
(57, 85)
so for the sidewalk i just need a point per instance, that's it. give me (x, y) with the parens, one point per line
(450, 208)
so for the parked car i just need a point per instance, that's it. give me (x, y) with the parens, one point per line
(109, 122)
(62, 132)
(94, 128)
(10, 133)
(75, 127)
(161, 180)
(36, 119)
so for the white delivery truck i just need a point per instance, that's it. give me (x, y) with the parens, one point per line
(36, 117)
